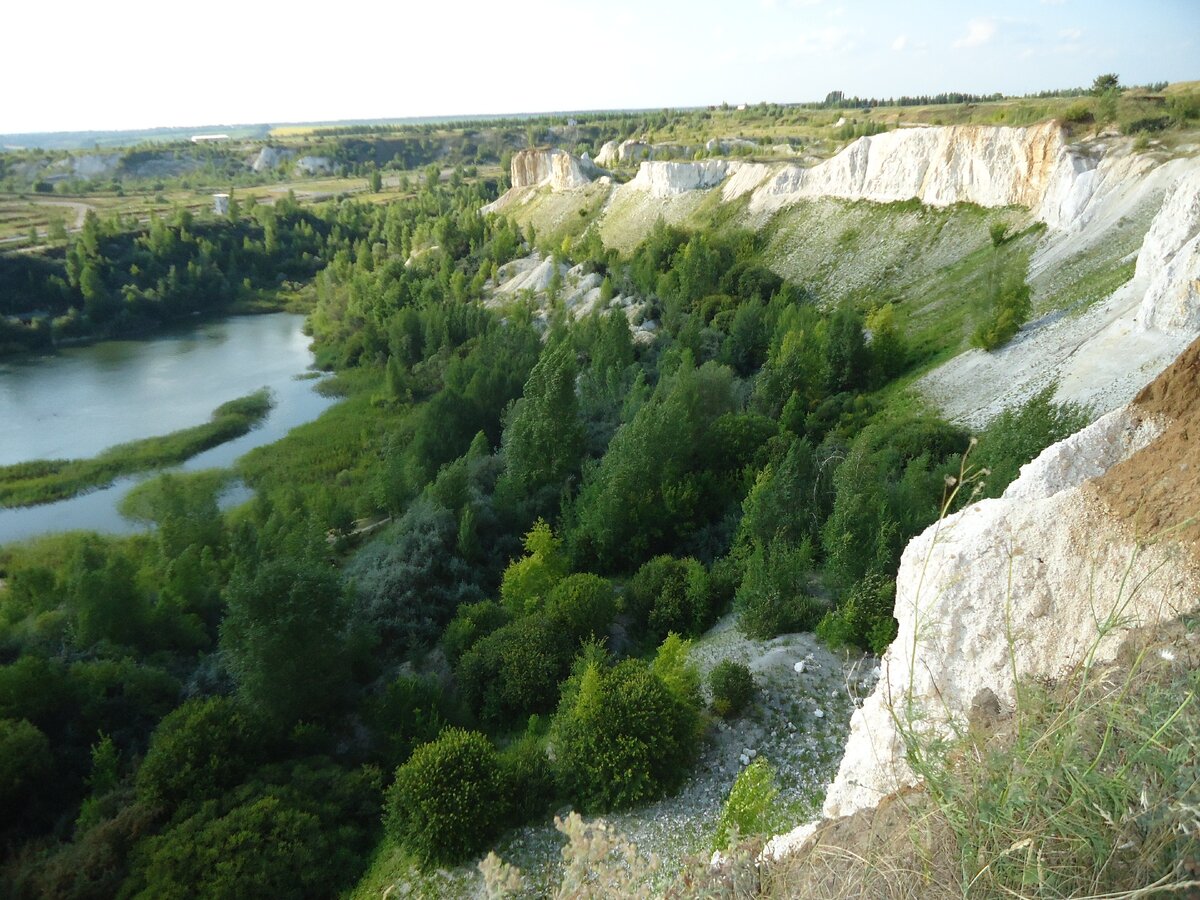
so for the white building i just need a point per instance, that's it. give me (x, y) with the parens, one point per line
(221, 204)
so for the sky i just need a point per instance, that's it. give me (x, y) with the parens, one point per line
(96, 65)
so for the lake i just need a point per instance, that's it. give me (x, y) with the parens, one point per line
(84, 399)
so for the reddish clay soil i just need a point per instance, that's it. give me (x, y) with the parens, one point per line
(1157, 490)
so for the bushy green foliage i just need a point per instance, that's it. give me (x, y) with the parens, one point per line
(295, 831)
(527, 581)
(284, 638)
(24, 759)
(471, 623)
(732, 687)
(888, 489)
(752, 807)
(583, 605)
(775, 596)
(864, 618)
(668, 594)
(447, 801)
(650, 491)
(1009, 306)
(198, 752)
(1019, 434)
(408, 712)
(543, 441)
(514, 671)
(527, 778)
(622, 737)
(410, 580)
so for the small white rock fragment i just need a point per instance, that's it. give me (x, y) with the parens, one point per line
(799, 667)
(819, 713)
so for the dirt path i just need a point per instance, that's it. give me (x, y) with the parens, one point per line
(81, 209)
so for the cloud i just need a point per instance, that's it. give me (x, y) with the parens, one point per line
(900, 42)
(979, 32)
(1071, 34)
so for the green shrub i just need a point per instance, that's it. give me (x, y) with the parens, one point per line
(751, 807)
(471, 623)
(24, 760)
(527, 779)
(668, 595)
(582, 605)
(1010, 304)
(773, 597)
(447, 800)
(732, 687)
(411, 711)
(293, 830)
(621, 737)
(864, 618)
(1019, 434)
(528, 580)
(199, 751)
(515, 671)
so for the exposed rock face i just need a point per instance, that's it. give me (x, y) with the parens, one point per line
(1027, 582)
(555, 168)
(991, 166)
(95, 165)
(269, 158)
(728, 145)
(314, 165)
(1105, 355)
(632, 151)
(666, 179)
(607, 156)
(530, 278)
(1170, 262)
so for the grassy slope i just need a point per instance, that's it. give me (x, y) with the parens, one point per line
(44, 481)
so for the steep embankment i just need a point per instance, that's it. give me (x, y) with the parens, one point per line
(1098, 535)
(904, 216)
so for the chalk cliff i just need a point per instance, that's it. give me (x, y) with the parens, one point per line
(552, 168)
(1047, 577)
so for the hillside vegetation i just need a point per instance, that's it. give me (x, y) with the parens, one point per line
(483, 586)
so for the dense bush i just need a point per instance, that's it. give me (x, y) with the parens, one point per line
(284, 638)
(864, 617)
(1018, 435)
(471, 623)
(668, 594)
(527, 778)
(515, 670)
(447, 801)
(732, 687)
(776, 594)
(1009, 306)
(583, 605)
(410, 580)
(622, 737)
(409, 712)
(294, 831)
(199, 751)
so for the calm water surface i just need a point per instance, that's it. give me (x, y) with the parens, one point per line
(85, 399)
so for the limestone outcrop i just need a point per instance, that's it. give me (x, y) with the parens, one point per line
(990, 166)
(1169, 262)
(667, 179)
(607, 156)
(314, 165)
(553, 168)
(270, 158)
